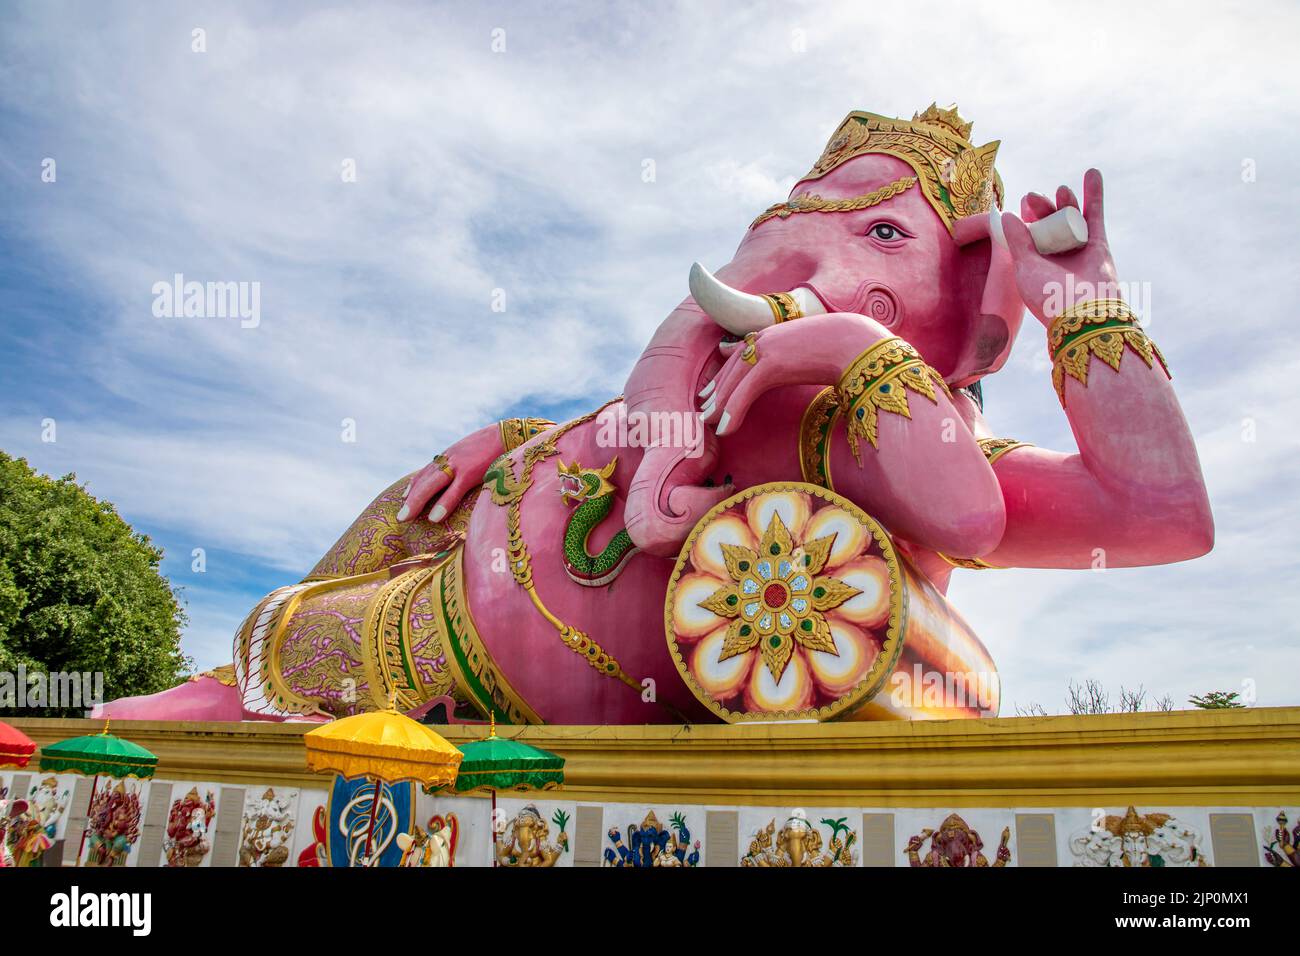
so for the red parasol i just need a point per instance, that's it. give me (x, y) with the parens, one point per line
(16, 748)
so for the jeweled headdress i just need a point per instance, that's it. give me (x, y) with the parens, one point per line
(957, 177)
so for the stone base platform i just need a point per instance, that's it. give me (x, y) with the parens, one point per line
(1198, 788)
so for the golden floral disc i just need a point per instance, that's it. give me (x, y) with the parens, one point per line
(712, 601)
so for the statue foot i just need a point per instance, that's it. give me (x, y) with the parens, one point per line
(203, 698)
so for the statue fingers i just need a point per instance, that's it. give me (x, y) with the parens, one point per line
(1035, 206)
(1019, 242)
(461, 485)
(1093, 205)
(747, 390)
(724, 383)
(1065, 197)
(431, 479)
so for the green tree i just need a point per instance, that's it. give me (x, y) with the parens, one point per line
(80, 591)
(1216, 700)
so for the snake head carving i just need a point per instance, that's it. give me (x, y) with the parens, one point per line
(579, 484)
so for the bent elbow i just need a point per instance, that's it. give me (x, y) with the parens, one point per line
(1195, 535)
(971, 533)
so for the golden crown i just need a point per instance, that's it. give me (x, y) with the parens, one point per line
(957, 177)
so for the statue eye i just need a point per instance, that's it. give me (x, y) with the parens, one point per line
(887, 232)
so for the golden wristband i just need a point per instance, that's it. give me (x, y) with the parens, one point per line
(1100, 327)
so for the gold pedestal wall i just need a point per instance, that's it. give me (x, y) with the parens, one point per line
(741, 791)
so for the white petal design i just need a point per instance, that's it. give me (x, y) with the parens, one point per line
(870, 575)
(794, 507)
(689, 619)
(793, 692)
(706, 553)
(850, 536)
(720, 679)
(840, 673)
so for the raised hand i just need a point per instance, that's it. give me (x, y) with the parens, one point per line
(1044, 281)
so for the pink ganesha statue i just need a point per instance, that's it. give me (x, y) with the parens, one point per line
(764, 526)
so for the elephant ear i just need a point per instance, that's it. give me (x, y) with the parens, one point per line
(991, 331)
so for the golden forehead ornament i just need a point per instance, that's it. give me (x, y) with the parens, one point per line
(956, 176)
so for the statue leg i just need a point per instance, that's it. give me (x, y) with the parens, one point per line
(377, 540)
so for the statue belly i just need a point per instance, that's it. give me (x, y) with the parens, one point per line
(612, 664)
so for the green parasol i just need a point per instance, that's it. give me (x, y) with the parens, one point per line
(496, 764)
(500, 764)
(96, 755)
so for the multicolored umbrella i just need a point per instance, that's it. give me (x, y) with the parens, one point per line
(383, 745)
(495, 763)
(16, 748)
(98, 755)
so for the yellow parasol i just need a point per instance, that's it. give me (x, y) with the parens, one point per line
(383, 745)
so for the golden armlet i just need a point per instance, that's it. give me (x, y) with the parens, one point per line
(995, 448)
(516, 431)
(878, 380)
(1100, 327)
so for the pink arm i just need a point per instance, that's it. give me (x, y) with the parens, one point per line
(926, 479)
(1134, 494)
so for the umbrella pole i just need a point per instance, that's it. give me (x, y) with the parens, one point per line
(370, 830)
(494, 827)
(86, 828)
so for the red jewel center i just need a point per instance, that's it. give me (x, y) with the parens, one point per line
(775, 595)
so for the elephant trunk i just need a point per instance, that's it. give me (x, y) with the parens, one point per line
(666, 497)
(674, 487)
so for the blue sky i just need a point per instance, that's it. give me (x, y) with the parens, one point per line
(522, 170)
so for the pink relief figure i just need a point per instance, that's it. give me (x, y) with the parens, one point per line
(791, 558)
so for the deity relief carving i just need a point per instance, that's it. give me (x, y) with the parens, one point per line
(188, 822)
(799, 843)
(527, 839)
(651, 843)
(1138, 840)
(267, 830)
(1282, 846)
(434, 846)
(955, 844)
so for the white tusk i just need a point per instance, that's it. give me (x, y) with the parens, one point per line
(1062, 231)
(741, 312)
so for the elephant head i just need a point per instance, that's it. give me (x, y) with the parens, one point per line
(891, 222)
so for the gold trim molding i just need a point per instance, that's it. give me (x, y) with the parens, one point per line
(1184, 758)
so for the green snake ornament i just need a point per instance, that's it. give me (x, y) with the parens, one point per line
(591, 491)
(501, 481)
